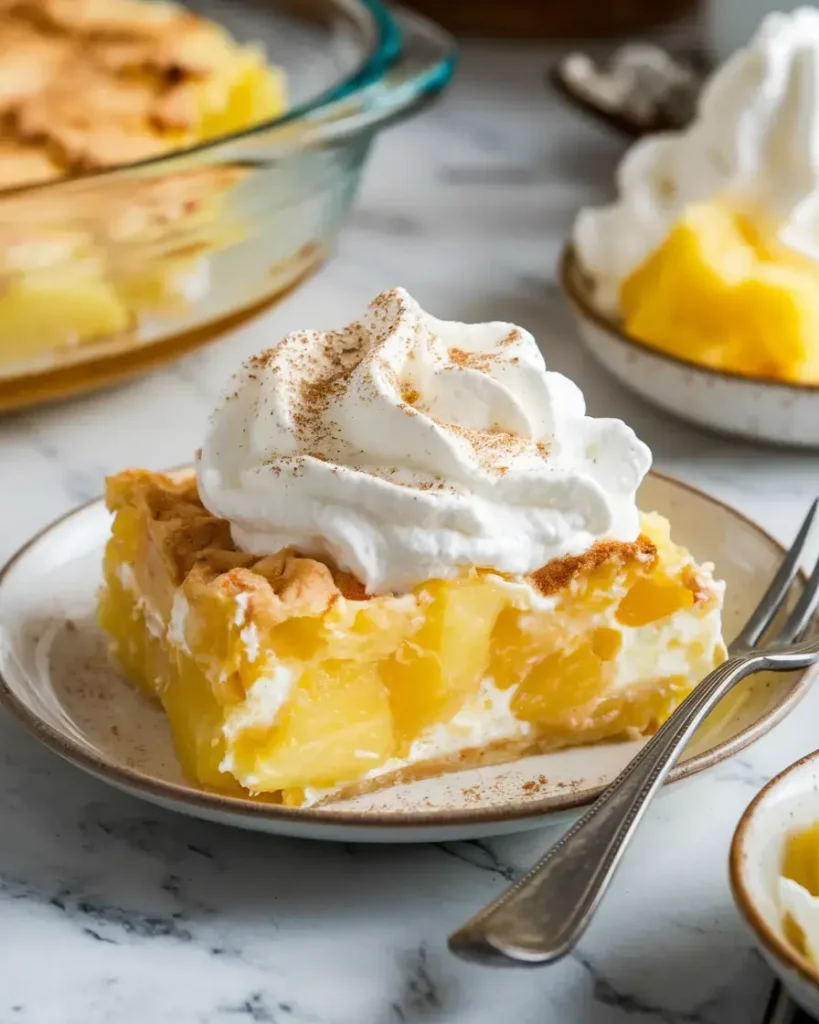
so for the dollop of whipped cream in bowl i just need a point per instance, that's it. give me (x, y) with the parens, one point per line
(753, 144)
(405, 448)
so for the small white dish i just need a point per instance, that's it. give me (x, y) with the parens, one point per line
(729, 403)
(788, 803)
(56, 678)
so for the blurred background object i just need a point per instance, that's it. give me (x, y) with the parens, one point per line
(555, 19)
(637, 90)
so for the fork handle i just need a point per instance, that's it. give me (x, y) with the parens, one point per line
(541, 917)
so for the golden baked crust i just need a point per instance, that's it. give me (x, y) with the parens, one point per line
(198, 550)
(135, 67)
(24, 164)
(559, 573)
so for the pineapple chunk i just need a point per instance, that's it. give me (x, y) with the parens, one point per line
(800, 863)
(434, 671)
(335, 726)
(649, 600)
(41, 311)
(801, 858)
(560, 685)
(142, 654)
(715, 293)
(197, 715)
(256, 94)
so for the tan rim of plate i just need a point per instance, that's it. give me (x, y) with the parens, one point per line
(105, 371)
(775, 945)
(572, 280)
(129, 779)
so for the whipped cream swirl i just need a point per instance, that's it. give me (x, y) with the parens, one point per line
(754, 144)
(405, 448)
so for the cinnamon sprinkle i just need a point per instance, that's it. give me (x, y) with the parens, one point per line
(322, 371)
(496, 443)
(482, 361)
(559, 573)
(320, 367)
(262, 359)
(350, 587)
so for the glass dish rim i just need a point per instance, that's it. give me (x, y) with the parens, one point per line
(387, 49)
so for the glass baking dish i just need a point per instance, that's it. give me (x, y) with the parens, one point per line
(116, 271)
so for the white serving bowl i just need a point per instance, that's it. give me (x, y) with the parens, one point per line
(789, 802)
(730, 403)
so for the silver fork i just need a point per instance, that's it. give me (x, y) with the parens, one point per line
(541, 917)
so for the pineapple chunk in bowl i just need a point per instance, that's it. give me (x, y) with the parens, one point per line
(705, 390)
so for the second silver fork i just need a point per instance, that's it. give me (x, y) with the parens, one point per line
(542, 916)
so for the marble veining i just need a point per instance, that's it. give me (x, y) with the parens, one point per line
(114, 911)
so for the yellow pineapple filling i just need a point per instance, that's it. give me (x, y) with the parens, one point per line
(716, 292)
(800, 860)
(280, 677)
(800, 865)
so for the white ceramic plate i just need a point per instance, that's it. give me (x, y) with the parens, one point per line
(762, 410)
(788, 803)
(57, 679)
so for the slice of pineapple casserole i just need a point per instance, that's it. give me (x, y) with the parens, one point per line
(406, 550)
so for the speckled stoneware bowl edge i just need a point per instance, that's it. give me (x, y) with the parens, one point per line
(767, 411)
(798, 973)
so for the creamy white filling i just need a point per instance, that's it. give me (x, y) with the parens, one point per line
(240, 615)
(261, 706)
(666, 648)
(153, 620)
(249, 637)
(176, 626)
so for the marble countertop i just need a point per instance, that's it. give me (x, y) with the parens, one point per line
(112, 910)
